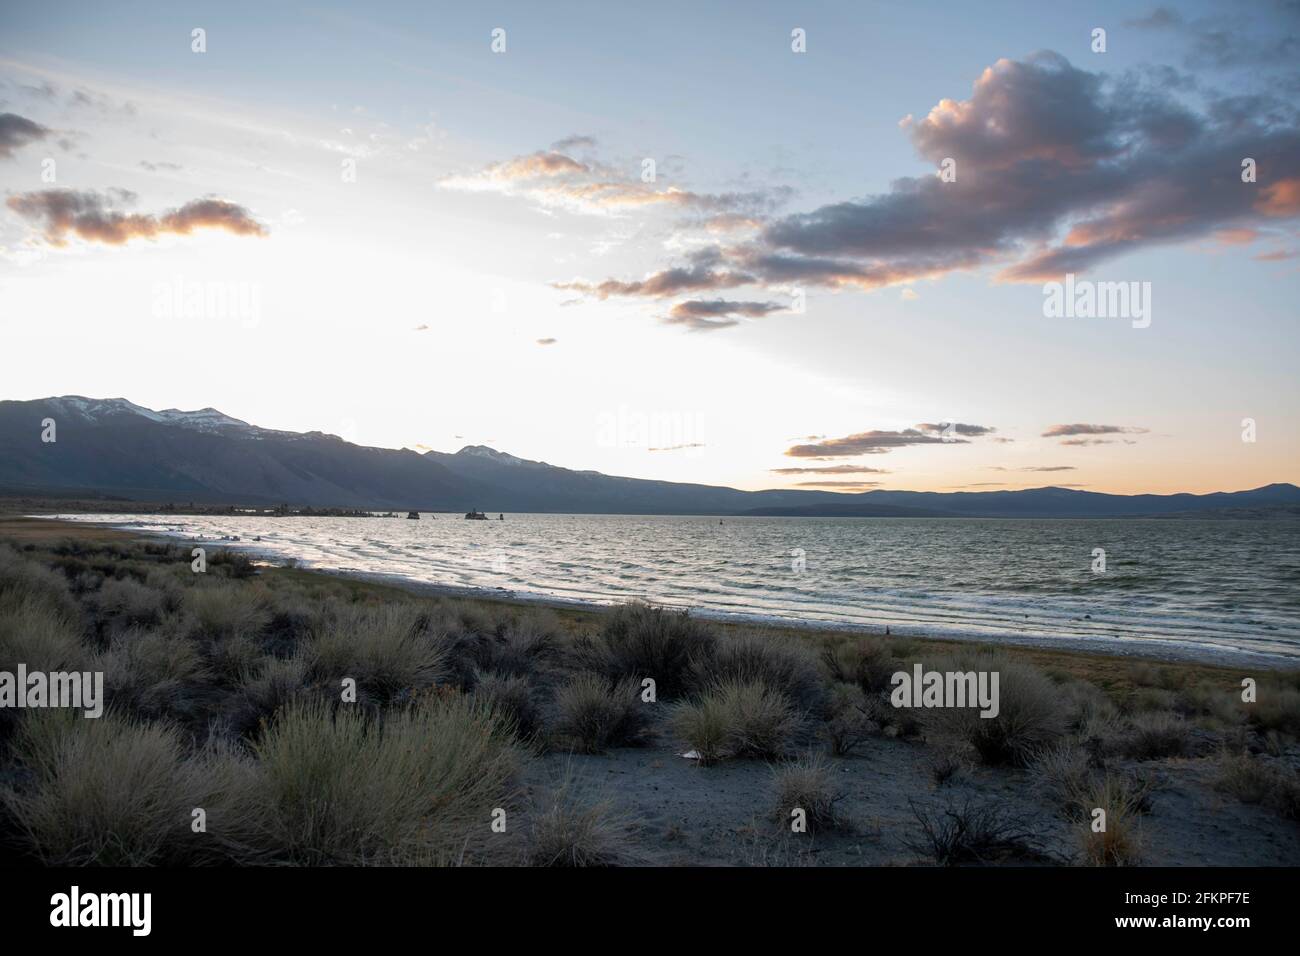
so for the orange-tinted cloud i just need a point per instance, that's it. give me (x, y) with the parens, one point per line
(95, 217)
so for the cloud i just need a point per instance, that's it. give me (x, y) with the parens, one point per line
(154, 167)
(93, 216)
(570, 143)
(831, 470)
(1060, 431)
(942, 428)
(554, 178)
(421, 328)
(1040, 467)
(867, 443)
(1057, 169)
(700, 315)
(17, 131)
(547, 341)
(678, 447)
(837, 484)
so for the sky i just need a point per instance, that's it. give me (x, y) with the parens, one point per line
(762, 245)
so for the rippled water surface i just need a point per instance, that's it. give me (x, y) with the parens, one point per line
(1201, 587)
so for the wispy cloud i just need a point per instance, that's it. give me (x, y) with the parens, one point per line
(17, 131)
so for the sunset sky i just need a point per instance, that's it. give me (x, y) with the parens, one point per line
(430, 244)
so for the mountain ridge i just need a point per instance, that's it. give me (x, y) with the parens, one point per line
(116, 447)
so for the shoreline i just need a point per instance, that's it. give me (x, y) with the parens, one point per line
(1134, 650)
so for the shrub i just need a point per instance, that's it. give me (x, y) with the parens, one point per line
(1153, 736)
(1030, 712)
(806, 784)
(969, 833)
(738, 719)
(862, 661)
(574, 828)
(126, 603)
(1122, 798)
(386, 648)
(272, 683)
(148, 670)
(1253, 780)
(849, 723)
(638, 641)
(513, 698)
(39, 635)
(341, 786)
(1276, 708)
(113, 791)
(519, 648)
(1065, 774)
(594, 713)
(764, 658)
(221, 611)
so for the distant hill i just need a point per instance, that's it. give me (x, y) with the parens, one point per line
(114, 448)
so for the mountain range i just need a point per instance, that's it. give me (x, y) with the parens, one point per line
(115, 447)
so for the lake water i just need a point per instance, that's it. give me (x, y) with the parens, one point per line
(1196, 589)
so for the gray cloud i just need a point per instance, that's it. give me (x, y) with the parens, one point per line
(1058, 169)
(1060, 431)
(94, 216)
(700, 315)
(17, 131)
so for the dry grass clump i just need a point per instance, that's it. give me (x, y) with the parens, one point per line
(1152, 736)
(806, 784)
(1031, 713)
(1276, 708)
(113, 791)
(574, 827)
(1065, 773)
(759, 657)
(126, 603)
(514, 698)
(594, 713)
(385, 648)
(220, 611)
(638, 641)
(862, 661)
(339, 786)
(1123, 798)
(520, 648)
(271, 683)
(1256, 780)
(849, 723)
(40, 635)
(738, 719)
(148, 670)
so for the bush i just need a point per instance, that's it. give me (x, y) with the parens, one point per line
(1031, 715)
(806, 784)
(1065, 774)
(862, 661)
(1276, 708)
(386, 648)
(738, 719)
(573, 828)
(1252, 780)
(126, 603)
(39, 635)
(969, 833)
(1123, 799)
(419, 786)
(638, 641)
(850, 722)
(594, 713)
(222, 611)
(147, 670)
(513, 698)
(764, 658)
(112, 791)
(1153, 736)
